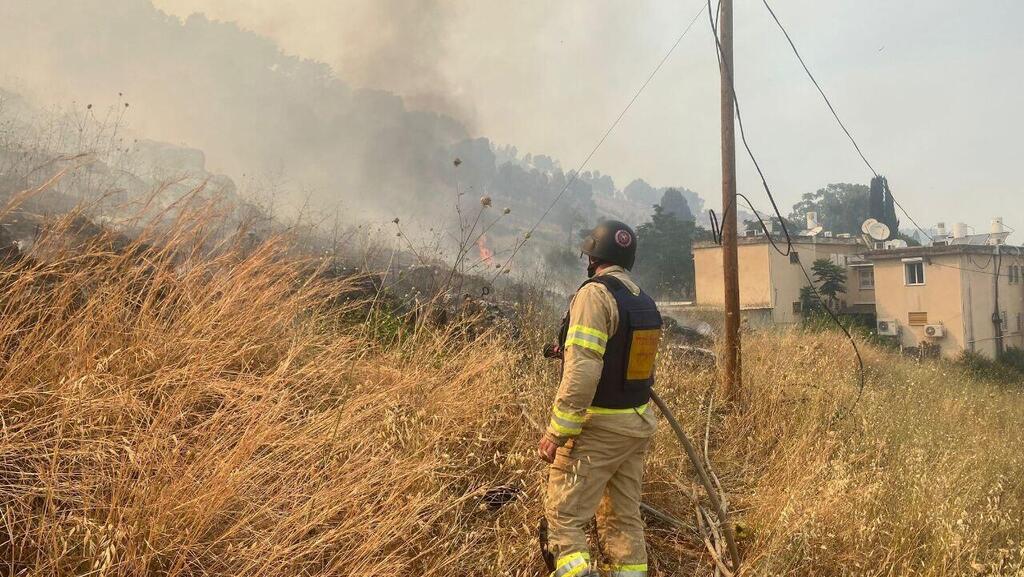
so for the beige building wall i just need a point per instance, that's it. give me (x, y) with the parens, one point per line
(855, 295)
(755, 276)
(958, 294)
(769, 281)
(939, 297)
(979, 304)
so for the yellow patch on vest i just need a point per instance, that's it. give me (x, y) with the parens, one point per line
(642, 351)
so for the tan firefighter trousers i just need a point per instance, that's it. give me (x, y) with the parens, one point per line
(599, 472)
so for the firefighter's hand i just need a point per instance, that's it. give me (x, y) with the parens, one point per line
(546, 449)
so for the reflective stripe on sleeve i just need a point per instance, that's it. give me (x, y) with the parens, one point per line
(603, 411)
(567, 424)
(587, 338)
(562, 415)
(637, 570)
(589, 331)
(564, 428)
(571, 564)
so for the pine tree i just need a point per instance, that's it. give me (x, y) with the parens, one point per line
(664, 262)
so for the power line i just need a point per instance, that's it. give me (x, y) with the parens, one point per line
(722, 66)
(836, 115)
(604, 137)
(789, 241)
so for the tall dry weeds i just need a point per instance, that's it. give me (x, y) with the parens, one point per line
(174, 407)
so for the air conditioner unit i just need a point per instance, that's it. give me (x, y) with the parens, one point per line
(935, 331)
(887, 327)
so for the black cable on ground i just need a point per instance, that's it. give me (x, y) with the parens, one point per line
(817, 295)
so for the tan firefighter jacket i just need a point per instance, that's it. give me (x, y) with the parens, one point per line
(593, 318)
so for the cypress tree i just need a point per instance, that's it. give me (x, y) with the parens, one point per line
(882, 206)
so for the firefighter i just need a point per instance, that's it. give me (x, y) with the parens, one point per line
(601, 424)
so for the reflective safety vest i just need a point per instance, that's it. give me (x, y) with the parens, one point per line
(628, 372)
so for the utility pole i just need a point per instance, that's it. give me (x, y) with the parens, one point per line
(732, 368)
(997, 316)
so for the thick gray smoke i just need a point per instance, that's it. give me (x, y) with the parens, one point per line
(299, 128)
(232, 94)
(394, 45)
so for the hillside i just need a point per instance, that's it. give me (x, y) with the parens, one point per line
(178, 408)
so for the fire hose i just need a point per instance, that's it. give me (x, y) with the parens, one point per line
(705, 480)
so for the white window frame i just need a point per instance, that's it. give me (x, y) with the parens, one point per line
(909, 262)
(862, 272)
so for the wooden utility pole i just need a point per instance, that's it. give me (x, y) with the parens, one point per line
(732, 368)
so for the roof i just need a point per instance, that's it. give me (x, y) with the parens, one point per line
(980, 239)
(781, 240)
(938, 250)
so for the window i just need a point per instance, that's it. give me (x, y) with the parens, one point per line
(797, 307)
(1020, 324)
(1015, 274)
(919, 319)
(1004, 318)
(794, 257)
(866, 274)
(914, 273)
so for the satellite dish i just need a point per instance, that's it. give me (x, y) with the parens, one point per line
(898, 243)
(879, 231)
(815, 231)
(867, 225)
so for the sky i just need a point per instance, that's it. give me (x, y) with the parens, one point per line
(927, 87)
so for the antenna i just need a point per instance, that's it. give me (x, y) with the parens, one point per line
(879, 231)
(867, 225)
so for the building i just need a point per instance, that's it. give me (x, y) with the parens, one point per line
(770, 283)
(955, 296)
(963, 292)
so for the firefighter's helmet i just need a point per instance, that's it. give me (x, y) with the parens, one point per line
(613, 242)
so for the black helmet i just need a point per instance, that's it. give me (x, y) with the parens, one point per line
(613, 242)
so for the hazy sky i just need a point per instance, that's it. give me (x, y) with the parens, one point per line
(928, 87)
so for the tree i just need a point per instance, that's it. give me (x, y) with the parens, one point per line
(674, 203)
(841, 207)
(640, 192)
(830, 280)
(883, 205)
(665, 254)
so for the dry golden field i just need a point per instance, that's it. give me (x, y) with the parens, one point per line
(174, 411)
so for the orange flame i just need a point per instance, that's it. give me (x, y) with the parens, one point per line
(486, 254)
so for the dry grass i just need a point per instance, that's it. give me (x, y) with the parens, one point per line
(171, 411)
